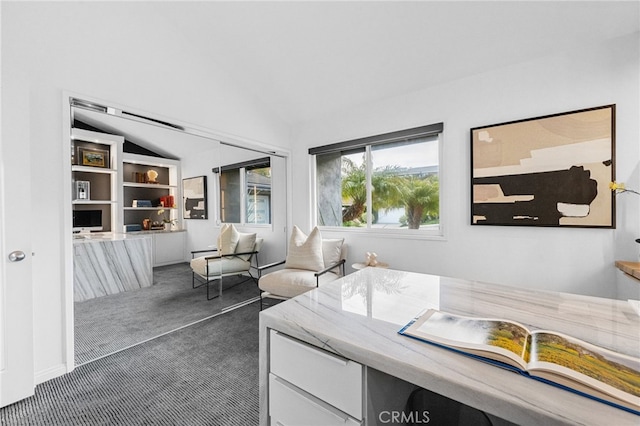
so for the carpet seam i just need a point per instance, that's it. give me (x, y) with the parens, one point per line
(223, 311)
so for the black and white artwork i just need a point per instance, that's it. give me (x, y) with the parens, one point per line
(194, 195)
(547, 171)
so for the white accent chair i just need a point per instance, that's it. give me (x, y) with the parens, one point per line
(230, 259)
(311, 262)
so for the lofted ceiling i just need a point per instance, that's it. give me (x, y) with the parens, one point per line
(303, 60)
(306, 60)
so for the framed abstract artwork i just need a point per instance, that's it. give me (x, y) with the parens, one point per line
(553, 171)
(194, 194)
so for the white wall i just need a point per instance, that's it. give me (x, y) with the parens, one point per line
(571, 260)
(139, 63)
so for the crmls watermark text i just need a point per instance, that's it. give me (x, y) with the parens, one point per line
(401, 417)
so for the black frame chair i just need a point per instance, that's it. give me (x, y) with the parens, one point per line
(317, 275)
(207, 280)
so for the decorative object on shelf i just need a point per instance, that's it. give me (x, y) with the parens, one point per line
(167, 223)
(167, 201)
(146, 224)
(141, 203)
(194, 193)
(132, 227)
(94, 157)
(152, 175)
(545, 171)
(82, 190)
(139, 177)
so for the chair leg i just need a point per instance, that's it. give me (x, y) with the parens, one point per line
(208, 292)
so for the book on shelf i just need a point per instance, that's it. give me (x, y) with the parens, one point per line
(547, 356)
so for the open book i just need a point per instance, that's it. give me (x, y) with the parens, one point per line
(547, 356)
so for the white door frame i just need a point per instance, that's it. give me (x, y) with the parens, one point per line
(67, 243)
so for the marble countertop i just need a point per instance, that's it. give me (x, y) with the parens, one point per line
(358, 317)
(101, 237)
(155, 231)
(117, 236)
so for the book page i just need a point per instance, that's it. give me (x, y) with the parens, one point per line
(496, 339)
(607, 372)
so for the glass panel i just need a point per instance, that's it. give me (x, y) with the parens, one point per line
(342, 191)
(230, 196)
(405, 184)
(259, 195)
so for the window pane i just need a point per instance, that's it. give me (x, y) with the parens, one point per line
(342, 191)
(230, 193)
(391, 185)
(259, 195)
(405, 184)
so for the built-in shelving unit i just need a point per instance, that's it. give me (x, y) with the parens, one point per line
(168, 246)
(106, 180)
(139, 172)
(96, 175)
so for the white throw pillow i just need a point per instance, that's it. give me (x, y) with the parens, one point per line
(305, 252)
(228, 239)
(246, 243)
(331, 250)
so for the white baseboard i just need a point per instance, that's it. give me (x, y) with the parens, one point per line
(50, 373)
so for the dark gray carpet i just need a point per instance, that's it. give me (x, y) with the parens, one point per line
(107, 324)
(204, 374)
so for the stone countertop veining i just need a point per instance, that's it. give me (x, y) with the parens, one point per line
(116, 236)
(358, 317)
(111, 263)
(95, 237)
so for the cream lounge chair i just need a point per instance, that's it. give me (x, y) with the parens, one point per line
(236, 254)
(311, 262)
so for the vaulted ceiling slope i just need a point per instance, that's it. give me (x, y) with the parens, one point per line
(305, 60)
(308, 59)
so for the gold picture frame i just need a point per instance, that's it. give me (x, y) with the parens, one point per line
(94, 158)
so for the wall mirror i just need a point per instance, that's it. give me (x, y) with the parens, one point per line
(246, 186)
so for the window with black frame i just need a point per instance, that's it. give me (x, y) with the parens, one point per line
(388, 181)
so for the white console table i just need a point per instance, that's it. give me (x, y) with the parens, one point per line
(347, 331)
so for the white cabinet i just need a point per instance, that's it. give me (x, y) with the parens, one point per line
(168, 247)
(311, 386)
(290, 405)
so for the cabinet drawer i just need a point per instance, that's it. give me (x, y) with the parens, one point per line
(328, 377)
(289, 406)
